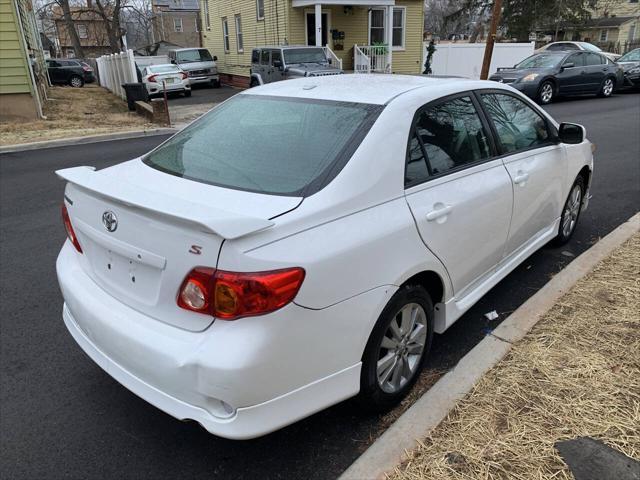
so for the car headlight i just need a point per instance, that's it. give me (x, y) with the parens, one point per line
(531, 77)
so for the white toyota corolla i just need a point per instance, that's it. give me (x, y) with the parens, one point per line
(301, 243)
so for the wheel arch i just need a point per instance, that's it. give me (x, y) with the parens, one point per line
(258, 77)
(431, 281)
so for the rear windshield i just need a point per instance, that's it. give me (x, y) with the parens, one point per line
(274, 145)
(163, 69)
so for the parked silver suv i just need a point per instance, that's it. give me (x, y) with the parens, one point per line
(272, 64)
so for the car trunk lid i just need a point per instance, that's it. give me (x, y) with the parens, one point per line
(142, 231)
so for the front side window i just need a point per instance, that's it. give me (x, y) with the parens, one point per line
(575, 60)
(239, 39)
(451, 135)
(518, 126)
(260, 9)
(274, 145)
(225, 35)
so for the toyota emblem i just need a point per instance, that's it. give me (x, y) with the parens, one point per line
(110, 221)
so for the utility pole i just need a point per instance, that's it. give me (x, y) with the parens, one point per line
(491, 39)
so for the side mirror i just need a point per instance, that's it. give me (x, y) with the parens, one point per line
(277, 64)
(568, 65)
(215, 59)
(571, 133)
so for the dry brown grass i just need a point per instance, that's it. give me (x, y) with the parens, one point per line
(577, 373)
(75, 112)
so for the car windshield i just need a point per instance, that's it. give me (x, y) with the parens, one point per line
(632, 56)
(163, 69)
(591, 47)
(540, 61)
(195, 55)
(304, 55)
(274, 145)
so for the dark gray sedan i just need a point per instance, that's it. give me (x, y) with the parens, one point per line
(545, 76)
(630, 63)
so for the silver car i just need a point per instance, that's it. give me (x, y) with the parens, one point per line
(198, 64)
(272, 64)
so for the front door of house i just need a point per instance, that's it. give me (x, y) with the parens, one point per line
(311, 29)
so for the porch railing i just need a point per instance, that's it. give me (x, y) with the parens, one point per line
(371, 59)
(335, 61)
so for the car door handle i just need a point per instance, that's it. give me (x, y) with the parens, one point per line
(439, 212)
(520, 178)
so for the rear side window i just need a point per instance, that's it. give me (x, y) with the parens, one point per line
(275, 145)
(255, 56)
(518, 126)
(593, 59)
(451, 136)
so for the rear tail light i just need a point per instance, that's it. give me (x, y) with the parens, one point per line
(232, 295)
(184, 75)
(152, 78)
(71, 234)
(87, 69)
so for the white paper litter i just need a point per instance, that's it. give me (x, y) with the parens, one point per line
(491, 315)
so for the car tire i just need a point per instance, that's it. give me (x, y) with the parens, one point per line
(546, 92)
(76, 81)
(607, 87)
(187, 93)
(254, 83)
(389, 369)
(571, 212)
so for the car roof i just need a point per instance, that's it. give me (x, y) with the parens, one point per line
(377, 89)
(183, 49)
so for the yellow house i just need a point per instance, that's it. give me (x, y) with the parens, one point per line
(348, 29)
(22, 67)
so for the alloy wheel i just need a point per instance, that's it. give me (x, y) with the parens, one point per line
(402, 348)
(546, 94)
(76, 82)
(571, 211)
(607, 88)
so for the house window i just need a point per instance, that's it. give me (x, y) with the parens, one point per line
(82, 30)
(378, 24)
(604, 34)
(239, 42)
(177, 24)
(260, 9)
(207, 19)
(399, 15)
(225, 34)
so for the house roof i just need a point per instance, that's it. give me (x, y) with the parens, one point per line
(178, 4)
(604, 22)
(376, 89)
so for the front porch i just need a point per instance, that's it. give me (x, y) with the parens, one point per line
(358, 34)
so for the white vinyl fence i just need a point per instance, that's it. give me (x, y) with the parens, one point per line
(465, 59)
(116, 69)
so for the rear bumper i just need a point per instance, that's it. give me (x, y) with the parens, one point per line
(239, 379)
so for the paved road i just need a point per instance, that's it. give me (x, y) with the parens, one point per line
(203, 94)
(63, 417)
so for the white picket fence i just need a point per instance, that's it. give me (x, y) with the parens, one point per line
(116, 69)
(465, 59)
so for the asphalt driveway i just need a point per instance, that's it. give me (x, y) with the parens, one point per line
(63, 417)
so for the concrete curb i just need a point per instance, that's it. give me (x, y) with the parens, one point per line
(62, 142)
(392, 447)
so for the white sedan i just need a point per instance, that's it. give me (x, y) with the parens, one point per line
(301, 243)
(157, 78)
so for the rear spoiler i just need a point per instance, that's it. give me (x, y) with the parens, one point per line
(226, 224)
